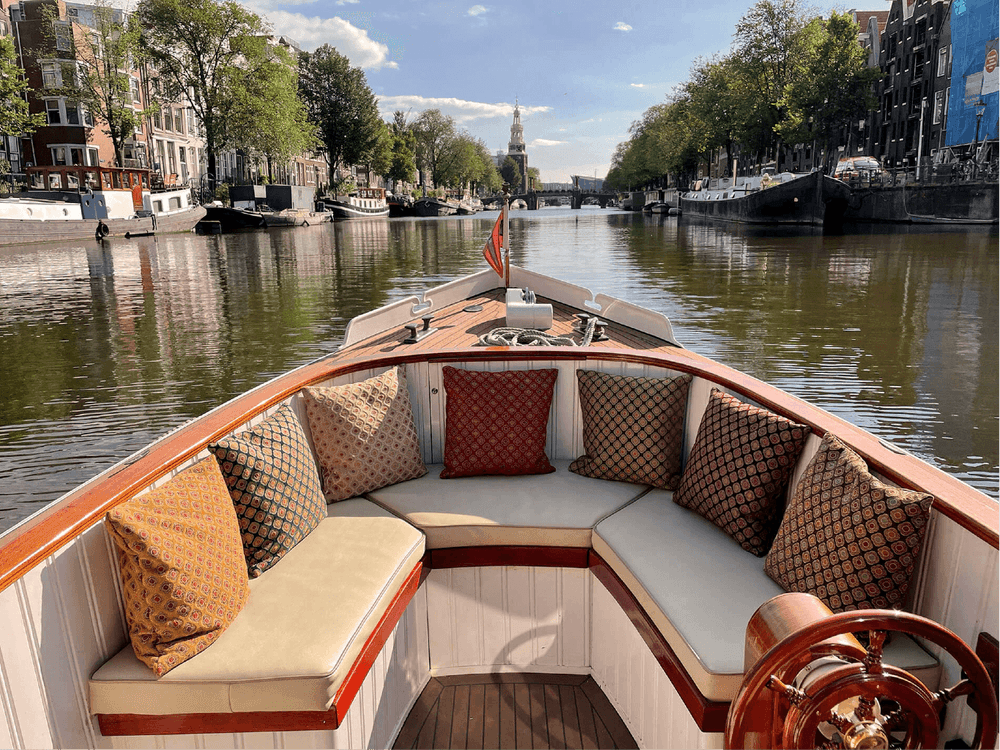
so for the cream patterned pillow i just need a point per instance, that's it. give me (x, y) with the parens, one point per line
(364, 435)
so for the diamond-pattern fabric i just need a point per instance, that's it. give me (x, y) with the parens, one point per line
(847, 537)
(497, 422)
(633, 428)
(274, 484)
(184, 578)
(364, 435)
(738, 469)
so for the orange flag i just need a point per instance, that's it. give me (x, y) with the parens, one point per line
(493, 249)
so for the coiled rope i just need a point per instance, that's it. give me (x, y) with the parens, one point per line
(531, 337)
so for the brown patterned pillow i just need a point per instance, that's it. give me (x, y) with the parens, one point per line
(274, 484)
(364, 435)
(496, 422)
(847, 537)
(738, 469)
(633, 428)
(184, 578)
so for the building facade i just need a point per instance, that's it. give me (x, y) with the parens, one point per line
(516, 148)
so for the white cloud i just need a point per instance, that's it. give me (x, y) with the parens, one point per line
(350, 41)
(546, 142)
(343, 2)
(638, 85)
(461, 109)
(622, 26)
(476, 10)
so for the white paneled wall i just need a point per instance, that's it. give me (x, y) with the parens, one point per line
(511, 618)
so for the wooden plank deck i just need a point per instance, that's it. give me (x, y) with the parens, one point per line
(513, 711)
(457, 329)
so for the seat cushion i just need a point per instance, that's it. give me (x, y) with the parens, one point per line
(551, 510)
(700, 589)
(303, 626)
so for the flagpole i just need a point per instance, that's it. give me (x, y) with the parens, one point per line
(506, 238)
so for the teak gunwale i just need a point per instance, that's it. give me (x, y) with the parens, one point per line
(43, 534)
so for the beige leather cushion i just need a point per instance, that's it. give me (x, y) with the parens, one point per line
(303, 626)
(550, 510)
(701, 588)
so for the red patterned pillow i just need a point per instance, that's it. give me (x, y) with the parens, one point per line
(633, 428)
(738, 469)
(496, 422)
(847, 537)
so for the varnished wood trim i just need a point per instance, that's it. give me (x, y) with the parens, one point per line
(710, 716)
(42, 535)
(481, 557)
(113, 725)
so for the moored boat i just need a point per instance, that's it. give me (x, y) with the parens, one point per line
(65, 203)
(231, 218)
(425, 580)
(366, 203)
(786, 198)
(293, 217)
(430, 206)
(399, 206)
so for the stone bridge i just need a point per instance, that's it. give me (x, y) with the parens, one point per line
(576, 197)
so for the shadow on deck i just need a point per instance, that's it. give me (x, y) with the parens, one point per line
(513, 711)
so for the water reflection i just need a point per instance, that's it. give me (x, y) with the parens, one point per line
(105, 347)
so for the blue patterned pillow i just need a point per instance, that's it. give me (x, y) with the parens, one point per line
(274, 483)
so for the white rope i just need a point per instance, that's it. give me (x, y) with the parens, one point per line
(531, 337)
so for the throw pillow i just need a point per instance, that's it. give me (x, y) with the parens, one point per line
(496, 422)
(184, 578)
(738, 469)
(633, 428)
(274, 484)
(364, 435)
(847, 537)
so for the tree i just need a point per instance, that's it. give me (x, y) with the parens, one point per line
(832, 87)
(14, 116)
(434, 132)
(103, 84)
(511, 173)
(214, 53)
(272, 119)
(403, 161)
(534, 179)
(341, 105)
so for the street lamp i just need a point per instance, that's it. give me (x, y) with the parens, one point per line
(980, 106)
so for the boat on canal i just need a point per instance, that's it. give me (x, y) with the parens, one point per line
(77, 202)
(231, 218)
(549, 524)
(786, 198)
(365, 203)
(431, 206)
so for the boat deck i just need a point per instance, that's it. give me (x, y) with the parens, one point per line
(513, 711)
(457, 329)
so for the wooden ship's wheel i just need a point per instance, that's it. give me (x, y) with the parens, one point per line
(813, 684)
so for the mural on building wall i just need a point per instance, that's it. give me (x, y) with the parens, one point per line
(974, 71)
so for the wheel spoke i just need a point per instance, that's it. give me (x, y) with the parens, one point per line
(873, 659)
(963, 687)
(794, 695)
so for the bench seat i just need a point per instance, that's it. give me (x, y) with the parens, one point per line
(297, 638)
(700, 588)
(546, 510)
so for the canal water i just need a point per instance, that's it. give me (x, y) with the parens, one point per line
(105, 347)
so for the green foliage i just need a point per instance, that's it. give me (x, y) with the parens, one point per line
(403, 144)
(534, 179)
(434, 132)
(214, 53)
(272, 120)
(343, 107)
(511, 174)
(343, 186)
(14, 116)
(222, 192)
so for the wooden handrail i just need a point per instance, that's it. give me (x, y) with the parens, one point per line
(41, 535)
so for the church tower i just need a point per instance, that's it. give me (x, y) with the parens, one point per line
(516, 148)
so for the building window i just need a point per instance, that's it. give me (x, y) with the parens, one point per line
(938, 107)
(168, 119)
(942, 61)
(64, 35)
(72, 113)
(93, 159)
(178, 121)
(51, 75)
(53, 112)
(59, 156)
(133, 84)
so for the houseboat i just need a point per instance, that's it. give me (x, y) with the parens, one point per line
(813, 198)
(71, 203)
(365, 203)
(549, 525)
(431, 206)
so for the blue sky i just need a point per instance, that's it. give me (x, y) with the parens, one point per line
(581, 70)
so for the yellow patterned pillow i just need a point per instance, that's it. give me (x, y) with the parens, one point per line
(184, 577)
(364, 435)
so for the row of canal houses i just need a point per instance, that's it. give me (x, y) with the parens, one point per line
(169, 142)
(937, 96)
